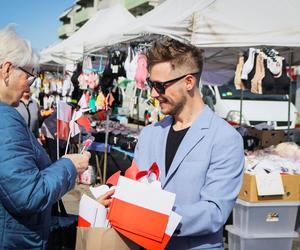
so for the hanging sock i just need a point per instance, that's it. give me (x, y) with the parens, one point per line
(262, 74)
(248, 66)
(254, 80)
(237, 78)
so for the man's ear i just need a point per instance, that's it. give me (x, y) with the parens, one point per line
(190, 82)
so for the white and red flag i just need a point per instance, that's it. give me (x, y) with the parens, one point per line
(141, 209)
(150, 244)
(64, 115)
(91, 213)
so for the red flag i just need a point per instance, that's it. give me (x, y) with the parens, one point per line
(84, 122)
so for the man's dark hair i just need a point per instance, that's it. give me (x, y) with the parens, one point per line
(180, 55)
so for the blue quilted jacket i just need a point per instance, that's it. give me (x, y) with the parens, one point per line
(29, 184)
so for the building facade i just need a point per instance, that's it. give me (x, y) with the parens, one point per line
(82, 10)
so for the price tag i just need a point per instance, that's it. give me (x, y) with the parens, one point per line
(269, 184)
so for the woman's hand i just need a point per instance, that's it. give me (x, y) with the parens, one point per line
(80, 161)
(105, 199)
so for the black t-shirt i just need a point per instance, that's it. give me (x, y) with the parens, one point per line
(173, 141)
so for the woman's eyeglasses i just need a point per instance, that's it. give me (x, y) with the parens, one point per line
(30, 77)
(160, 87)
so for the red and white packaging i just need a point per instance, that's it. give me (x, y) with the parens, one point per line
(141, 209)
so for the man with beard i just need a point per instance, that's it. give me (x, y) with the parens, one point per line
(200, 155)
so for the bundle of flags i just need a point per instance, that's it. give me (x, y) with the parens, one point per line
(68, 122)
(140, 209)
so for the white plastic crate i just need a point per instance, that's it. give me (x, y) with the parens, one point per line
(267, 241)
(298, 221)
(264, 217)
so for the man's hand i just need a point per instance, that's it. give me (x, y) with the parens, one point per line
(105, 199)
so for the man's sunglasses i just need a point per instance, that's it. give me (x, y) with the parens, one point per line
(30, 77)
(160, 87)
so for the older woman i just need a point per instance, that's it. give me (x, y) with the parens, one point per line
(30, 184)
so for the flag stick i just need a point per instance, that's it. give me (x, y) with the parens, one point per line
(57, 132)
(68, 142)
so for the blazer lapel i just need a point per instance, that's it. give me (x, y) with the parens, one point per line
(161, 146)
(193, 136)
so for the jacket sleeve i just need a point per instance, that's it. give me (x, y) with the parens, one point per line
(217, 197)
(24, 188)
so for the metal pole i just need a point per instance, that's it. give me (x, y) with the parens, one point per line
(106, 146)
(241, 105)
(289, 99)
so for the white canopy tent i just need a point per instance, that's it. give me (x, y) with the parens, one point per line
(99, 28)
(171, 18)
(224, 25)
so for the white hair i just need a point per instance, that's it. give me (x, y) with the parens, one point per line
(16, 49)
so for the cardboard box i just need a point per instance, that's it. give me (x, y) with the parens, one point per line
(291, 185)
(268, 137)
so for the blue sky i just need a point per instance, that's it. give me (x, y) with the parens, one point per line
(37, 20)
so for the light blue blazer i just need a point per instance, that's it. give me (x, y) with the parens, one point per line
(206, 175)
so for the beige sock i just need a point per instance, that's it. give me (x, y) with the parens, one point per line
(238, 72)
(262, 73)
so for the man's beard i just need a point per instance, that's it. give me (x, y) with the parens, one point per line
(175, 107)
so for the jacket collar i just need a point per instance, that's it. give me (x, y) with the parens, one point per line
(194, 135)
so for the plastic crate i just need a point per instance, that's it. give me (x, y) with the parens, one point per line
(267, 241)
(263, 217)
(297, 228)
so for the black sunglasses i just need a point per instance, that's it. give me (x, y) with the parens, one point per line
(160, 87)
(30, 77)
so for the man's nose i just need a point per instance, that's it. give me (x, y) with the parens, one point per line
(154, 93)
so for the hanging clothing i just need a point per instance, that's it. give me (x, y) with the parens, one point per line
(93, 80)
(238, 73)
(83, 81)
(256, 82)
(131, 64)
(249, 64)
(117, 64)
(87, 66)
(92, 104)
(141, 71)
(101, 65)
(99, 101)
(77, 92)
(67, 87)
(268, 72)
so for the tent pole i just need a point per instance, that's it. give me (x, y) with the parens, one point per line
(241, 106)
(106, 146)
(289, 99)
